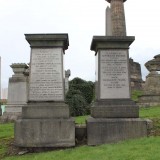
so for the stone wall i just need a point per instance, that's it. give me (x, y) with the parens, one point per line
(135, 75)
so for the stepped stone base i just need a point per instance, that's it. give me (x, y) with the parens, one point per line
(45, 125)
(10, 116)
(115, 109)
(45, 132)
(12, 112)
(110, 130)
(149, 100)
(45, 110)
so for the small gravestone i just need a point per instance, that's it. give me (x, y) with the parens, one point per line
(114, 116)
(46, 121)
(17, 92)
(135, 75)
(67, 75)
(151, 93)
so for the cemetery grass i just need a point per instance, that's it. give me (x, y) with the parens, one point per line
(138, 149)
(6, 138)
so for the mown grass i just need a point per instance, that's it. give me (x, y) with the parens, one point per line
(81, 119)
(6, 136)
(135, 94)
(150, 112)
(138, 149)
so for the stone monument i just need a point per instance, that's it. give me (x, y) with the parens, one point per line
(67, 75)
(114, 116)
(151, 95)
(46, 121)
(17, 92)
(135, 75)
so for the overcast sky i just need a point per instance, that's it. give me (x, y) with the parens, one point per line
(81, 19)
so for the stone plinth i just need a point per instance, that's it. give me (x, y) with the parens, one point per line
(46, 121)
(45, 132)
(151, 95)
(112, 78)
(17, 92)
(110, 130)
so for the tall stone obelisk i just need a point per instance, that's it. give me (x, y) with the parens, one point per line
(114, 116)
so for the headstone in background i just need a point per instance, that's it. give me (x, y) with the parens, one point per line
(114, 116)
(46, 121)
(67, 75)
(151, 95)
(17, 92)
(135, 75)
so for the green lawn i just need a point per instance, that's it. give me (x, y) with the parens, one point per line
(135, 94)
(138, 149)
(6, 136)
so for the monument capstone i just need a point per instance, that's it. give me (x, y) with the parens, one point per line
(114, 116)
(151, 93)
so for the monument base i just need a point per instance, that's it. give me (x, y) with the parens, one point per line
(46, 110)
(124, 108)
(110, 130)
(45, 124)
(12, 113)
(45, 132)
(149, 100)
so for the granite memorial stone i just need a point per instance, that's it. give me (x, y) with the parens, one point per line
(17, 92)
(114, 116)
(46, 121)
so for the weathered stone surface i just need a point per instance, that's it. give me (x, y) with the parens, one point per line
(113, 73)
(45, 132)
(118, 17)
(111, 42)
(115, 111)
(46, 110)
(46, 75)
(45, 120)
(17, 92)
(108, 130)
(48, 40)
(114, 114)
(67, 75)
(80, 132)
(135, 75)
(108, 22)
(151, 94)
